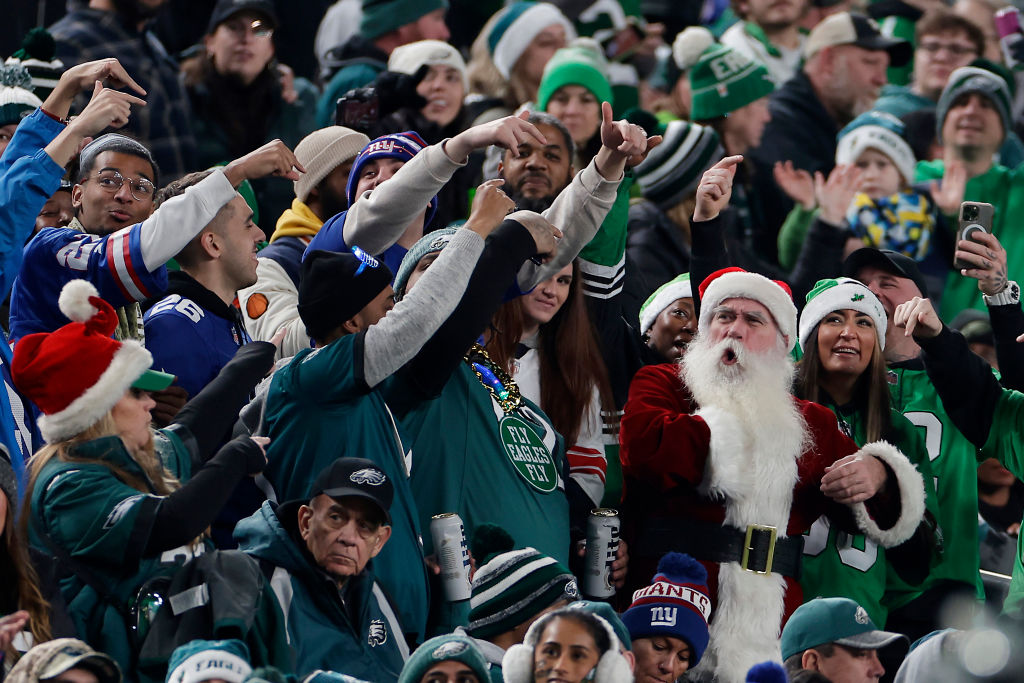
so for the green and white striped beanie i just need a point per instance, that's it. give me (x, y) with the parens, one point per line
(672, 170)
(514, 586)
(836, 294)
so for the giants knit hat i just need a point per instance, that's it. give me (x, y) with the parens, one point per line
(16, 98)
(973, 79)
(676, 288)
(675, 604)
(38, 55)
(672, 170)
(407, 59)
(428, 244)
(324, 150)
(516, 26)
(837, 294)
(722, 80)
(736, 283)
(448, 648)
(402, 146)
(579, 64)
(881, 131)
(385, 16)
(854, 28)
(335, 286)
(512, 586)
(833, 620)
(94, 370)
(204, 660)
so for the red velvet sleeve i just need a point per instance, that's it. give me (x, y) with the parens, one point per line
(662, 443)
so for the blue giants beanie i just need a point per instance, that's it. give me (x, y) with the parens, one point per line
(401, 146)
(675, 604)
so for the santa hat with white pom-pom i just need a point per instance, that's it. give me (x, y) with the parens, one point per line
(76, 374)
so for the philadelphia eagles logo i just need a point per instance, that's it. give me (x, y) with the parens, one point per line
(572, 591)
(378, 633)
(368, 475)
(861, 616)
(448, 650)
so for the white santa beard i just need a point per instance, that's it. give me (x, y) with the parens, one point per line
(757, 436)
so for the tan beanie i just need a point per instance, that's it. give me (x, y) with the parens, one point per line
(324, 150)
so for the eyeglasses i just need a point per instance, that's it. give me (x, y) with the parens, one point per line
(258, 27)
(957, 50)
(112, 181)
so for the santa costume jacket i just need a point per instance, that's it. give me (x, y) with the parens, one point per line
(690, 463)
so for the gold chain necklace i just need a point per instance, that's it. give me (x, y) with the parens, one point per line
(498, 382)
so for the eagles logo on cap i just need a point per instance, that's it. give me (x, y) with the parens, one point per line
(368, 476)
(572, 591)
(448, 650)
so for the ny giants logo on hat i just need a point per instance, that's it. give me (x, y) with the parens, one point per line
(368, 476)
(663, 616)
(387, 146)
(449, 650)
(657, 592)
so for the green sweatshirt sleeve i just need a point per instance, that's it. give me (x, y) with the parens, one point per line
(793, 233)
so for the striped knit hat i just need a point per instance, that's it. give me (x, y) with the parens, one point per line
(516, 26)
(38, 55)
(722, 79)
(16, 98)
(401, 146)
(514, 586)
(676, 604)
(672, 170)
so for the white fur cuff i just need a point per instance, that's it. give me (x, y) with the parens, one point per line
(911, 497)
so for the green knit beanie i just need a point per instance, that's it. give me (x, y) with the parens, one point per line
(578, 64)
(722, 80)
(974, 79)
(384, 16)
(449, 648)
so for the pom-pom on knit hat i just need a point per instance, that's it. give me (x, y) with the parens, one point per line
(384, 16)
(578, 64)
(512, 586)
(736, 283)
(836, 294)
(76, 374)
(447, 648)
(515, 28)
(973, 79)
(203, 660)
(407, 59)
(881, 131)
(324, 150)
(676, 604)
(16, 98)
(677, 288)
(402, 146)
(672, 170)
(38, 55)
(722, 79)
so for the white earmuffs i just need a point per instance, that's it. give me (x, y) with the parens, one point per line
(517, 664)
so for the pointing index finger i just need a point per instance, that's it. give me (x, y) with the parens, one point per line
(118, 72)
(729, 162)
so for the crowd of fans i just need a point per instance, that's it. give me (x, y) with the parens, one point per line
(288, 285)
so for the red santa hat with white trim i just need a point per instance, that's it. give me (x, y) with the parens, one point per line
(736, 283)
(77, 373)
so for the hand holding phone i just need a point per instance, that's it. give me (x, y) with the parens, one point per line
(975, 218)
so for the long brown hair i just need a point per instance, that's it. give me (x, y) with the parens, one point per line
(571, 366)
(871, 392)
(21, 583)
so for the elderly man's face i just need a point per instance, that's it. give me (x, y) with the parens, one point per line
(747, 321)
(342, 535)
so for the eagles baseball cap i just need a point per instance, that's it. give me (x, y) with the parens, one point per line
(833, 620)
(854, 28)
(888, 260)
(74, 654)
(357, 477)
(225, 9)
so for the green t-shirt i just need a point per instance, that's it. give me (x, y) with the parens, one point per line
(319, 408)
(1004, 189)
(838, 564)
(469, 457)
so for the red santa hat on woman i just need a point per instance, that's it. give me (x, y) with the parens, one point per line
(736, 283)
(76, 374)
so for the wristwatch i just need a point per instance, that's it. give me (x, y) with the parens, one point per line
(1009, 295)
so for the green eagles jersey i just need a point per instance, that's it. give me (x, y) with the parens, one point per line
(469, 457)
(319, 408)
(954, 462)
(838, 564)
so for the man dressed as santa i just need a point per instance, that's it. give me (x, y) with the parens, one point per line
(734, 468)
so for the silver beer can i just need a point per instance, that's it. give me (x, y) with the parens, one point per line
(602, 544)
(452, 554)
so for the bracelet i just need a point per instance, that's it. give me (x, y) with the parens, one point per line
(54, 117)
(1009, 295)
